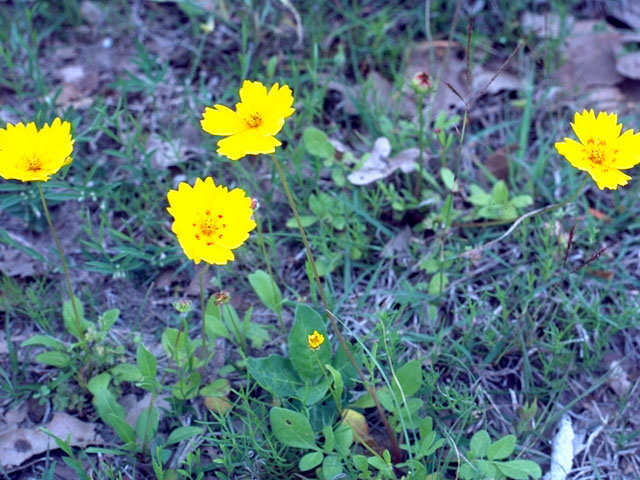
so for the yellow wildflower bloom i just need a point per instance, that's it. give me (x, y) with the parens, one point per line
(29, 154)
(602, 151)
(250, 129)
(315, 340)
(209, 220)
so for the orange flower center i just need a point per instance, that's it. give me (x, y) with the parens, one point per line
(254, 120)
(33, 164)
(209, 226)
(597, 152)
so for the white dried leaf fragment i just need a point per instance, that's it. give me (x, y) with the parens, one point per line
(562, 450)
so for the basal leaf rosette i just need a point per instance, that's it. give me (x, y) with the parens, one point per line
(250, 129)
(209, 220)
(601, 151)
(28, 154)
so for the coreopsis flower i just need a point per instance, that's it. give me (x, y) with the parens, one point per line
(315, 340)
(28, 154)
(210, 221)
(252, 127)
(601, 151)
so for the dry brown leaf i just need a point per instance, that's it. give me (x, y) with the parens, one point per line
(605, 98)
(399, 243)
(618, 376)
(20, 444)
(484, 83)
(218, 405)
(79, 83)
(590, 55)
(498, 162)
(358, 423)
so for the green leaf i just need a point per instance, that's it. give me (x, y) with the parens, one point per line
(500, 194)
(146, 362)
(521, 201)
(122, 428)
(184, 433)
(292, 428)
(44, 340)
(519, 469)
(310, 460)
(409, 376)
(338, 384)
(187, 387)
(217, 388)
(305, 220)
(317, 144)
(501, 448)
(478, 196)
(360, 462)
(267, 290)
(331, 466)
(70, 322)
(99, 382)
(108, 319)
(449, 179)
(344, 438)
(147, 424)
(179, 348)
(479, 444)
(307, 362)
(257, 335)
(126, 372)
(438, 283)
(55, 359)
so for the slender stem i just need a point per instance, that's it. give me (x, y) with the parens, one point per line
(418, 187)
(269, 270)
(202, 307)
(395, 451)
(64, 266)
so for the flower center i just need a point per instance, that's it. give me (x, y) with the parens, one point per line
(208, 226)
(254, 120)
(33, 164)
(597, 152)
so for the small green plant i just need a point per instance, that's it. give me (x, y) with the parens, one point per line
(487, 460)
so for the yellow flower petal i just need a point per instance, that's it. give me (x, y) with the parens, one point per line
(221, 120)
(210, 221)
(252, 127)
(601, 150)
(29, 154)
(247, 142)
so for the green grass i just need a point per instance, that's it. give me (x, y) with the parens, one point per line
(511, 328)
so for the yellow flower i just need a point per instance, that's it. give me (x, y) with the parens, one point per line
(315, 340)
(209, 220)
(250, 129)
(602, 151)
(29, 154)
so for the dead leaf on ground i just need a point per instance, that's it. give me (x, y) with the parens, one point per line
(79, 83)
(590, 54)
(627, 12)
(12, 418)
(398, 244)
(20, 444)
(605, 98)
(498, 162)
(135, 407)
(546, 25)
(165, 153)
(378, 169)
(629, 65)
(377, 90)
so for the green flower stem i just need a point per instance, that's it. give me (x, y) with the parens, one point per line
(269, 270)
(417, 193)
(203, 309)
(64, 265)
(154, 394)
(395, 451)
